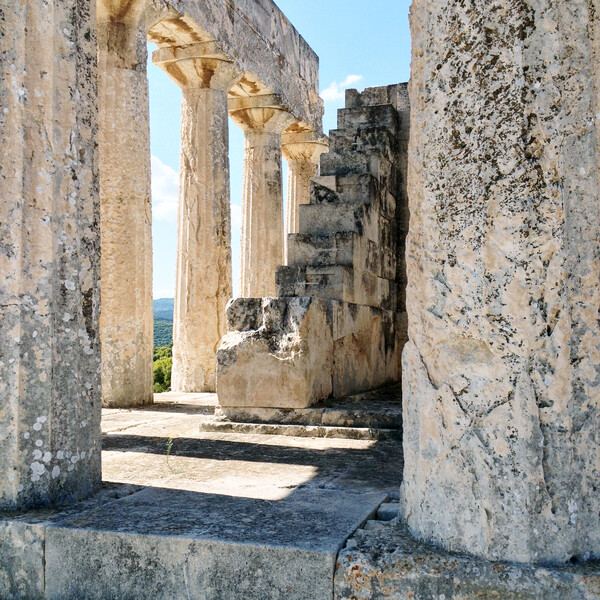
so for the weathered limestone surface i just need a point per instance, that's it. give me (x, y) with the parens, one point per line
(203, 274)
(262, 200)
(126, 325)
(502, 371)
(49, 254)
(344, 256)
(384, 562)
(285, 347)
(302, 152)
(262, 42)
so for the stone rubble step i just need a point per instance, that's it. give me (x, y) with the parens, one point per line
(361, 163)
(382, 115)
(341, 248)
(364, 219)
(354, 189)
(371, 139)
(337, 282)
(311, 431)
(388, 511)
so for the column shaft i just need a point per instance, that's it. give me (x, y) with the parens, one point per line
(300, 172)
(49, 255)
(262, 214)
(203, 281)
(126, 322)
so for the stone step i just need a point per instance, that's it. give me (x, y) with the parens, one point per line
(379, 409)
(371, 139)
(164, 543)
(353, 189)
(337, 282)
(361, 162)
(312, 431)
(341, 248)
(363, 219)
(381, 115)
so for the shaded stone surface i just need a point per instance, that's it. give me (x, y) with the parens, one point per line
(383, 561)
(501, 374)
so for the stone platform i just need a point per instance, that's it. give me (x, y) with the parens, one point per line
(186, 513)
(382, 561)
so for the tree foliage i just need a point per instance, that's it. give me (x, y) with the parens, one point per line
(163, 362)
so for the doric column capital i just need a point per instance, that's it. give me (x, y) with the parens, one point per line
(203, 65)
(304, 146)
(260, 114)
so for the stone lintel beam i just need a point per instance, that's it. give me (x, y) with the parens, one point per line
(302, 150)
(262, 247)
(203, 273)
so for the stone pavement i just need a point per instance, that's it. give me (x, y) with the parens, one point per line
(186, 513)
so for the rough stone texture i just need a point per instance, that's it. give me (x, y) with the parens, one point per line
(282, 359)
(49, 254)
(261, 41)
(383, 562)
(345, 256)
(203, 275)
(126, 326)
(262, 199)
(302, 152)
(502, 373)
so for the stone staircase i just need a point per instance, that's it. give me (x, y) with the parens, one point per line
(337, 326)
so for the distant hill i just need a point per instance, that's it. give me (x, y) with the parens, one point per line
(163, 308)
(163, 321)
(163, 333)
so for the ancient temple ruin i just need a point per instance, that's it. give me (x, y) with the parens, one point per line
(445, 237)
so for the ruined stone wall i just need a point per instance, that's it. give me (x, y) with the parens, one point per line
(502, 371)
(49, 253)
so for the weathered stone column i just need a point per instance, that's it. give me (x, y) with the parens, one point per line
(502, 370)
(262, 202)
(126, 325)
(49, 255)
(302, 151)
(203, 279)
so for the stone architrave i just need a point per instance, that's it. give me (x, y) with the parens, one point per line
(126, 325)
(302, 152)
(203, 275)
(262, 248)
(49, 255)
(501, 374)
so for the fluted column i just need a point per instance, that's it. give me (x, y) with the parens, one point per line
(262, 202)
(302, 151)
(126, 326)
(203, 274)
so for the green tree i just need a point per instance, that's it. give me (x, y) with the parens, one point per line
(163, 362)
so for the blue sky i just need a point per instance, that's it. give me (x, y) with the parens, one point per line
(359, 43)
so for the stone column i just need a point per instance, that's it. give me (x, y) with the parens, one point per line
(49, 255)
(302, 151)
(203, 277)
(502, 371)
(262, 203)
(126, 324)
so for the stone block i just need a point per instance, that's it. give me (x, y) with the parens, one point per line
(364, 219)
(359, 163)
(166, 544)
(366, 348)
(342, 248)
(383, 115)
(372, 139)
(285, 363)
(386, 563)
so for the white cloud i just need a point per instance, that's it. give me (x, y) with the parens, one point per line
(165, 190)
(336, 90)
(236, 217)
